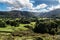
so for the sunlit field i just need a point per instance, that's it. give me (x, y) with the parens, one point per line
(29, 29)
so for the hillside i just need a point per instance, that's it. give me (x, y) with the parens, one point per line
(54, 13)
(16, 14)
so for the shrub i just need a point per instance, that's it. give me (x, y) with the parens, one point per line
(2, 24)
(8, 22)
(33, 20)
(38, 38)
(27, 26)
(25, 22)
(52, 27)
(12, 23)
(58, 22)
(18, 21)
(46, 27)
(52, 31)
(40, 28)
(42, 20)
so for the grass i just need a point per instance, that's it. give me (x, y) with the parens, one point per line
(9, 37)
(6, 29)
(21, 27)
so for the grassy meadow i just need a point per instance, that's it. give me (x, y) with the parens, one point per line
(29, 29)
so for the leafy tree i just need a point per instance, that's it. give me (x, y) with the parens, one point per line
(12, 23)
(40, 28)
(8, 22)
(2, 24)
(46, 27)
(30, 27)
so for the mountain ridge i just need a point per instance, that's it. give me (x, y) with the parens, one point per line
(16, 14)
(53, 13)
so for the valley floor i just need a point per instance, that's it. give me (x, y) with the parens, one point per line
(24, 31)
(27, 36)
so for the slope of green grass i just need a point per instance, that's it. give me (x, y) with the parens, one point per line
(20, 27)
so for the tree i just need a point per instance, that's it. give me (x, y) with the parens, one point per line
(12, 23)
(40, 28)
(2, 24)
(46, 27)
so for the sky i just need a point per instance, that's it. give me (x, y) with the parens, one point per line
(29, 5)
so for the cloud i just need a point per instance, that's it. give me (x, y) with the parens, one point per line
(58, 1)
(23, 5)
(18, 3)
(53, 7)
(43, 10)
(27, 5)
(41, 6)
(32, 1)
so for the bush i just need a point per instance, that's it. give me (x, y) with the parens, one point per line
(42, 20)
(38, 38)
(2, 24)
(52, 27)
(40, 28)
(12, 23)
(52, 31)
(33, 20)
(46, 27)
(8, 22)
(27, 26)
(58, 22)
(25, 22)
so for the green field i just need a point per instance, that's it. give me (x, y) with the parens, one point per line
(24, 30)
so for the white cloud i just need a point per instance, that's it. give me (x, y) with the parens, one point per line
(47, 9)
(18, 3)
(43, 10)
(13, 8)
(50, 8)
(41, 6)
(32, 1)
(22, 5)
(53, 7)
(27, 4)
(58, 1)
(9, 1)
